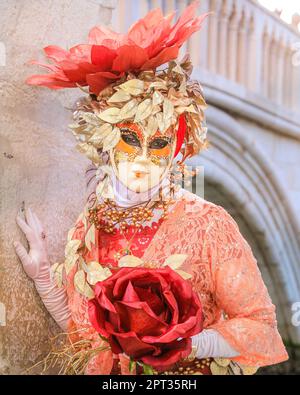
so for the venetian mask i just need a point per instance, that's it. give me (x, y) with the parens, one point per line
(140, 161)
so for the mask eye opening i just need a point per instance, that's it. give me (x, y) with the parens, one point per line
(130, 137)
(159, 142)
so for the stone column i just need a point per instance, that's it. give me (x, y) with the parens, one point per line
(39, 165)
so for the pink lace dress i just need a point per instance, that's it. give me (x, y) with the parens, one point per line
(235, 300)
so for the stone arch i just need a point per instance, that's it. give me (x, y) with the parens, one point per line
(246, 180)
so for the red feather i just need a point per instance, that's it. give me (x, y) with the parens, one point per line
(180, 134)
(149, 43)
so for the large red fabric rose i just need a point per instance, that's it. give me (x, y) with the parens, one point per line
(143, 312)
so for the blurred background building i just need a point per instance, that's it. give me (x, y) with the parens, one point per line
(247, 59)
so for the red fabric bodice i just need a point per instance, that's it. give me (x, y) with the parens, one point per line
(110, 244)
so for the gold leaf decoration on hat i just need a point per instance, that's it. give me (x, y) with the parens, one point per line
(152, 125)
(144, 110)
(111, 140)
(111, 115)
(100, 134)
(134, 87)
(157, 98)
(129, 110)
(119, 97)
(153, 99)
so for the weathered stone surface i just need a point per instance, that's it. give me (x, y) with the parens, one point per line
(39, 165)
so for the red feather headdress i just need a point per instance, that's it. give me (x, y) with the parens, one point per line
(110, 58)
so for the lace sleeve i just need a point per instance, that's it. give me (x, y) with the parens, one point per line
(250, 324)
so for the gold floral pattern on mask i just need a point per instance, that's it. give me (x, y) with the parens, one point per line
(134, 142)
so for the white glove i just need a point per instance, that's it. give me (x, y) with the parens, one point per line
(37, 266)
(210, 344)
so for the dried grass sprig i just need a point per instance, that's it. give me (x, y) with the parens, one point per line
(71, 357)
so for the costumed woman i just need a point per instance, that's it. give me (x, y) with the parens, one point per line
(155, 278)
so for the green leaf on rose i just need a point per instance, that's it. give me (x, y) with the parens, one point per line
(132, 365)
(147, 369)
(103, 338)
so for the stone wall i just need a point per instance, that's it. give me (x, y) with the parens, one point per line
(39, 165)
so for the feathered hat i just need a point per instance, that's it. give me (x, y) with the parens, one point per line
(126, 84)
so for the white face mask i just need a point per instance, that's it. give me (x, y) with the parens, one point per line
(140, 162)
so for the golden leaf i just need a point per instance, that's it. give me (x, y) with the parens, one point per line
(218, 370)
(108, 192)
(119, 97)
(183, 274)
(168, 123)
(235, 369)
(72, 247)
(155, 110)
(183, 86)
(152, 125)
(77, 128)
(90, 151)
(101, 187)
(90, 118)
(82, 286)
(160, 120)
(157, 98)
(190, 109)
(144, 110)
(158, 85)
(90, 237)
(110, 115)
(249, 370)
(182, 102)
(100, 134)
(168, 109)
(175, 261)
(112, 140)
(201, 102)
(224, 362)
(129, 110)
(178, 69)
(96, 273)
(70, 262)
(70, 234)
(134, 87)
(130, 261)
(57, 273)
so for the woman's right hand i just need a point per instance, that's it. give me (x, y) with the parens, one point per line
(35, 262)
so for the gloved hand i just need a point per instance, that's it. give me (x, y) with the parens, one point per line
(37, 266)
(211, 344)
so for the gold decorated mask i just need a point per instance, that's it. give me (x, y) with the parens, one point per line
(141, 161)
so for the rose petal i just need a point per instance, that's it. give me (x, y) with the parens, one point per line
(151, 298)
(178, 350)
(139, 318)
(190, 327)
(133, 346)
(130, 294)
(97, 317)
